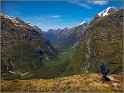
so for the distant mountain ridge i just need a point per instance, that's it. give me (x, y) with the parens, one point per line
(65, 38)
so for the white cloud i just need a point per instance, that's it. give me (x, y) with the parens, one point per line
(88, 19)
(81, 4)
(85, 5)
(100, 2)
(55, 16)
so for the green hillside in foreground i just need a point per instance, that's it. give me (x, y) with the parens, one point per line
(77, 83)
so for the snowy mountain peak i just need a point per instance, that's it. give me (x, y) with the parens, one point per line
(82, 23)
(35, 27)
(106, 11)
(67, 27)
(15, 21)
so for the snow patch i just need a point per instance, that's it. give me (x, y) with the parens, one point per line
(81, 23)
(106, 11)
(16, 22)
(31, 24)
(11, 18)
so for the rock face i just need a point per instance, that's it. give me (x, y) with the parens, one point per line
(100, 42)
(23, 47)
(66, 38)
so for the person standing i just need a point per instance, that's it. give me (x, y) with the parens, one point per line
(104, 71)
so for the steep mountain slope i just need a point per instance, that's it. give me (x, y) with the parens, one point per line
(73, 38)
(36, 28)
(23, 47)
(100, 42)
(65, 38)
(57, 36)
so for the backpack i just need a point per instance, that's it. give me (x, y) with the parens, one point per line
(104, 69)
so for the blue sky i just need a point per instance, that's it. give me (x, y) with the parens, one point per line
(56, 14)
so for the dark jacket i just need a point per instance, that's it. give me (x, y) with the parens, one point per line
(104, 69)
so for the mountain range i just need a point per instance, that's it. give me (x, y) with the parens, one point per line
(63, 39)
(28, 52)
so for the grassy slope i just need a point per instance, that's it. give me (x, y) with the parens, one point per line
(76, 83)
(100, 43)
(51, 69)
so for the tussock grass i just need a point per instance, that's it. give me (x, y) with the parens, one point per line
(76, 83)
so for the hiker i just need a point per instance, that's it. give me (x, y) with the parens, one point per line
(104, 71)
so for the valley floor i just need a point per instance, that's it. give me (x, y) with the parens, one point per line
(76, 83)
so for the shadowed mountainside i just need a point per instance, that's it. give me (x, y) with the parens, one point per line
(23, 48)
